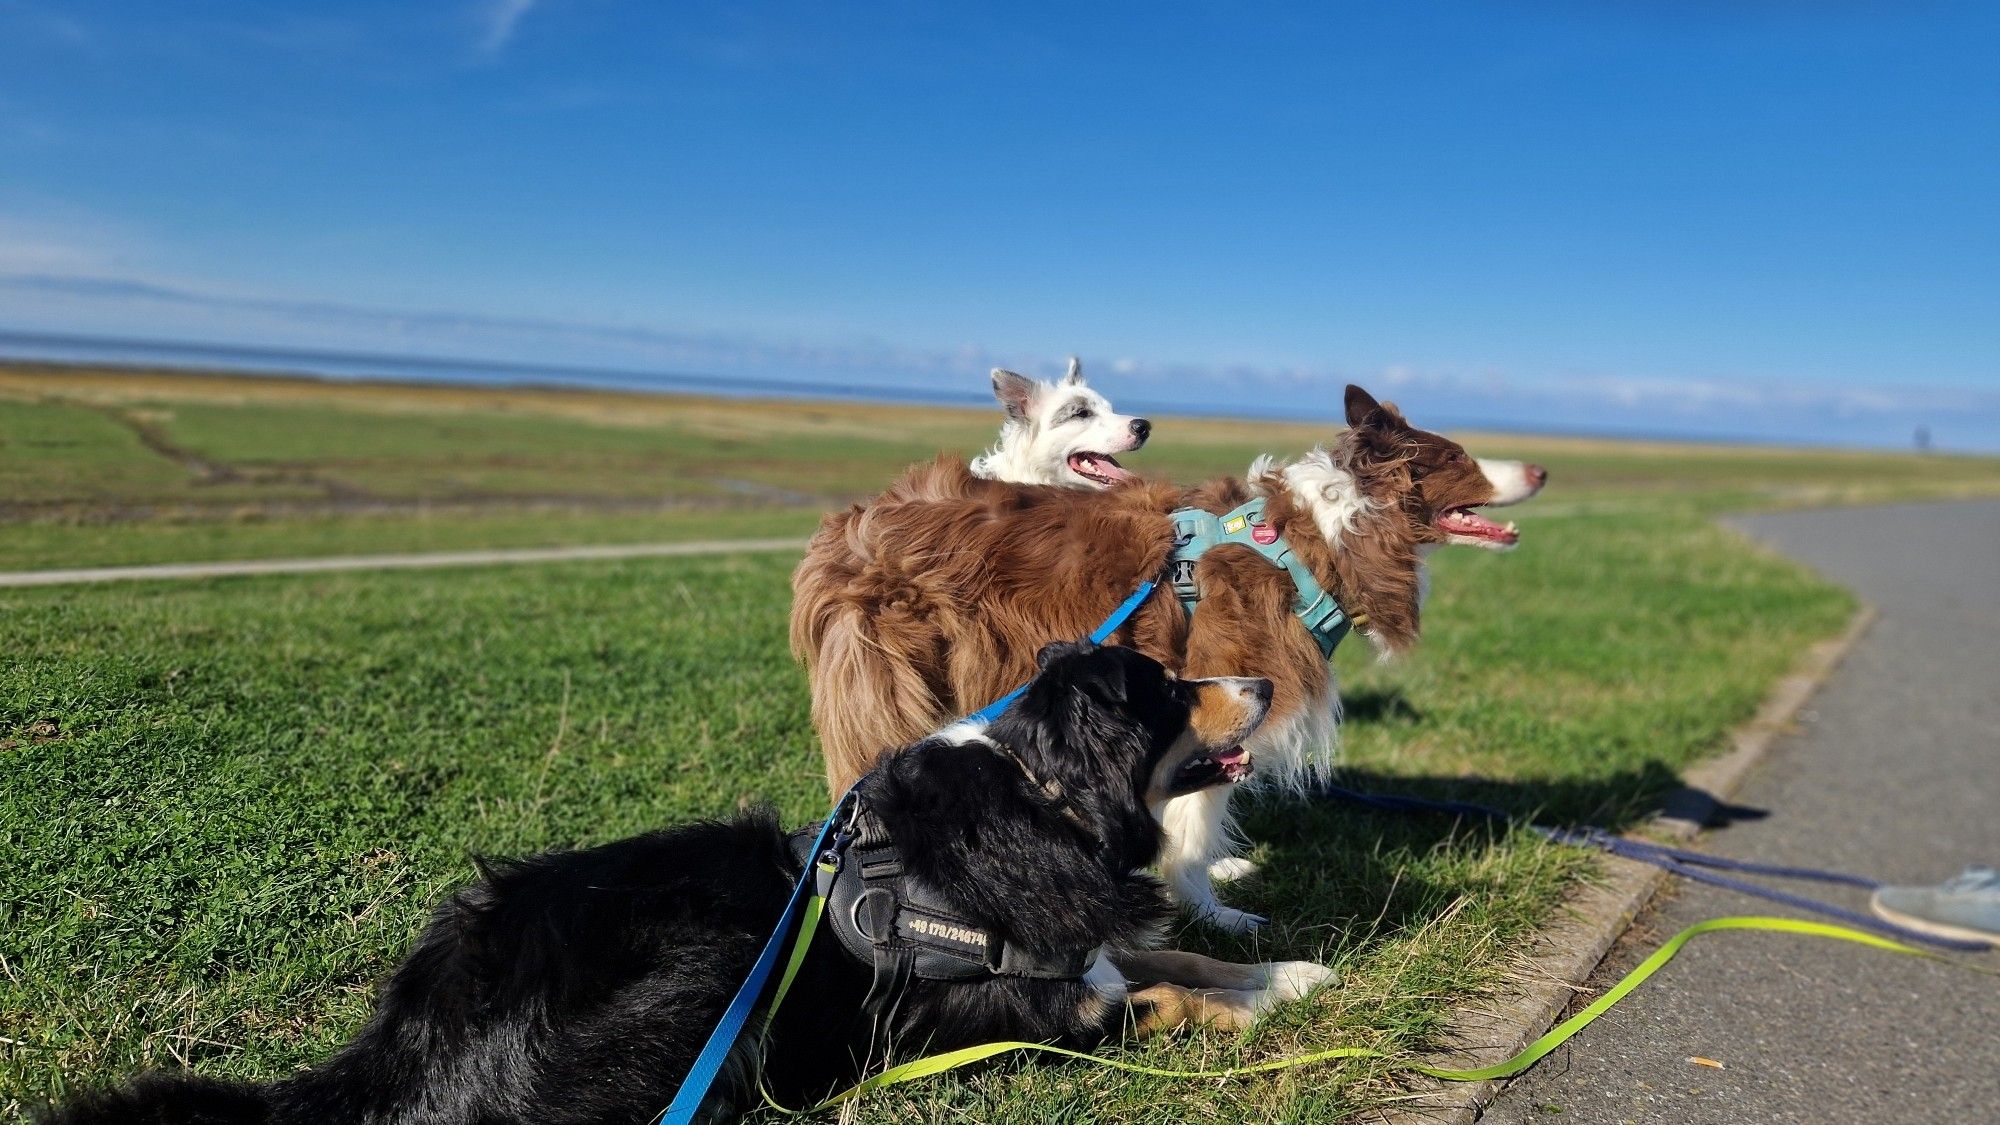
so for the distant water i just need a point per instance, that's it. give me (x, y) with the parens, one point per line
(1974, 433)
(433, 369)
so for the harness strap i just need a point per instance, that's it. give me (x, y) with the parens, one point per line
(1197, 531)
(904, 930)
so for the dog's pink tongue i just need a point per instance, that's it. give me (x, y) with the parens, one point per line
(1467, 522)
(1235, 763)
(1099, 466)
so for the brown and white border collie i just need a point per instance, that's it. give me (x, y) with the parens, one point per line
(931, 601)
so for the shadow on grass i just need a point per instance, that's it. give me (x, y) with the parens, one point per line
(1380, 706)
(1336, 874)
(1618, 802)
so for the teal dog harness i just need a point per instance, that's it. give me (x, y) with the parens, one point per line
(1196, 532)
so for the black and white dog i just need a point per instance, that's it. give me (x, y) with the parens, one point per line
(1001, 896)
(1059, 433)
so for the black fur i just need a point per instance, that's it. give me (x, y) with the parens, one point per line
(579, 986)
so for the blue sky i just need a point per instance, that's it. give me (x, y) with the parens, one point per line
(1750, 218)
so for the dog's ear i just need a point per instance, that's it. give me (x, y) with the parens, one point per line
(1087, 684)
(1015, 392)
(1056, 650)
(1106, 681)
(1075, 374)
(1361, 406)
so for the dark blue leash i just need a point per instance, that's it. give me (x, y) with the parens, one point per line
(701, 1076)
(1700, 867)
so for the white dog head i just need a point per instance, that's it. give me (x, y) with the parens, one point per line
(1059, 433)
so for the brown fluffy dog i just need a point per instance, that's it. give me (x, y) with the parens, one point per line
(932, 601)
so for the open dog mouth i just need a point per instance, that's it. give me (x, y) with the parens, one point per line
(1467, 526)
(1212, 767)
(1100, 467)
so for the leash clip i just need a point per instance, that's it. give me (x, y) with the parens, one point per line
(828, 867)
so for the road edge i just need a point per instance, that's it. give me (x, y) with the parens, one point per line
(1543, 982)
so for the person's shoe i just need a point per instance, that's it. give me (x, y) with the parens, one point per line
(1966, 907)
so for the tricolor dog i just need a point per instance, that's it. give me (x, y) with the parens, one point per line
(1000, 870)
(932, 600)
(1059, 433)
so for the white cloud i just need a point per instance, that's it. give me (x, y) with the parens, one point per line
(63, 240)
(498, 19)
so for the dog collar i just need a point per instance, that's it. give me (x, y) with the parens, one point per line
(1197, 531)
(885, 918)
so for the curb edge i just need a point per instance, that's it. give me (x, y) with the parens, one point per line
(1543, 981)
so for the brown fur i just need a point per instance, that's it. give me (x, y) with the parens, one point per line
(1163, 1008)
(931, 601)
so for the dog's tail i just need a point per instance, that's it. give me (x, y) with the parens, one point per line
(833, 557)
(866, 699)
(859, 632)
(167, 1098)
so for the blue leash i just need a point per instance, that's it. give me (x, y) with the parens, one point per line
(701, 1076)
(687, 1100)
(1098, 636)
(1699, 867)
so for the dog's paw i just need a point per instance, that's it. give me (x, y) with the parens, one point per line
(1233, 867)
(1231, 920)
(1294, 980)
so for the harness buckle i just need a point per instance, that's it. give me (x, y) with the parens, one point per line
(1180, 574)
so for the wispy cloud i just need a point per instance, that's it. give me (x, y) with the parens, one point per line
(63, 240)
(49, 26)
(497, 21)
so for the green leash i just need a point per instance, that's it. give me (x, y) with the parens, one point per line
(1560, 1034)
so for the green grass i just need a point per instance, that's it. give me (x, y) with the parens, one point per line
(230, 803)
(226, 806)
(241, 467)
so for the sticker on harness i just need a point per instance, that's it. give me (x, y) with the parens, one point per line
(1235, 524)
(918, 927)
(1264, 534)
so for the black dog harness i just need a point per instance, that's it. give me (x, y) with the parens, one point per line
(886, 919)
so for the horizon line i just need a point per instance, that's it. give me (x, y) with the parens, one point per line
(408, 370)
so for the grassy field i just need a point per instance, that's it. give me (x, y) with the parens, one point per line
(227, 805)
(109, 468)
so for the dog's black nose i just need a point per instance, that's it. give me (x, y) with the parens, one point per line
(1264, 691)
(1141, 429)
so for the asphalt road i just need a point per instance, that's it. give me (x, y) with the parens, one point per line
(1895, 774)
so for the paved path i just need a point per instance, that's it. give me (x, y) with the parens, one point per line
(1896, 774)
(392, 562)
